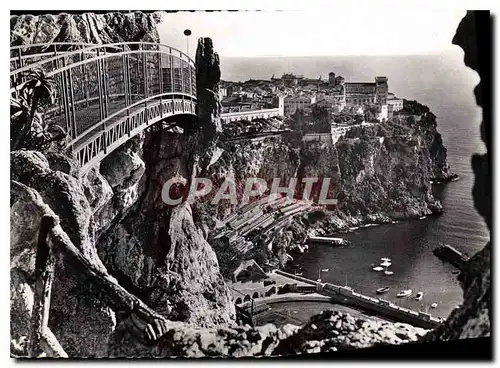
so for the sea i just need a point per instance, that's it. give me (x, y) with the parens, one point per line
(442, 82)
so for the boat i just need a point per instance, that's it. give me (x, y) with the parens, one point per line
(382, 290)
(455, 272)
(385, 264)
(419, 296)
(404, 293)
(387, 272)
(378, 268)
(385, 259)
(422, 218)
(434, 305)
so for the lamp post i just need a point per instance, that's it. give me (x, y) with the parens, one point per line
(319, 273)
(187, 33)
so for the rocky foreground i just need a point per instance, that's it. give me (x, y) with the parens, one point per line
(115, 217)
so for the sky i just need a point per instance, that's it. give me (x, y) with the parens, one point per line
(316, 32)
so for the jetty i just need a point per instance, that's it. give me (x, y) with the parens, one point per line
(326, 240)
(344, 295)
(449, 254)
(255, 296)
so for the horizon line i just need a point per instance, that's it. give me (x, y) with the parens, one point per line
(436, 52)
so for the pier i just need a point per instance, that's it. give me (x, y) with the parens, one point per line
(326, 240)
(449, 254)
(347, 296)
(254, 297)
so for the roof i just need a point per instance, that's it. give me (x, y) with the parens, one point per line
(371, 84)
(250, 263)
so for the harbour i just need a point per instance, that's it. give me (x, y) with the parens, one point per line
(298, 289)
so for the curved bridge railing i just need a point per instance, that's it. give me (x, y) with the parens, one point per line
(108, 93)
(23, 55)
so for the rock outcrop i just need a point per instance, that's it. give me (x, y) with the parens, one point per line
(158, 252)
(77, 317)
(85, 28)
(327, 332)
(473, 318)
(386, 169)
(115, 216)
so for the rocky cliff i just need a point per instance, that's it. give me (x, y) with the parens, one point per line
(85, 27)
(116, 217)
(386, 169)
(379, 172)
(114, 213)
(473, 318)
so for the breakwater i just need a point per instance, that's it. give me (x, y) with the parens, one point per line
(347, 296)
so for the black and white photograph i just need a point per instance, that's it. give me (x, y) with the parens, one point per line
(224, 184)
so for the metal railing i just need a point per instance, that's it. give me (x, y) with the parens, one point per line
(106, 93)
(23, 55)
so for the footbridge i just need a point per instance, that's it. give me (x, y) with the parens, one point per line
(108, 93)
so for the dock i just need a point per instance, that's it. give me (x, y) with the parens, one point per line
(326, 240)
(449, 254)
(347, 296)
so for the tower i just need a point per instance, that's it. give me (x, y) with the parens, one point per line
(331, 79)
(381, 90)
(279, 101)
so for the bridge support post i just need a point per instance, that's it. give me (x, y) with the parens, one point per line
(145, 74)
(128, 85)
(85, 83)
(105, 86)
(73, 115)
(183, 87)
(20, 57)
(145, 78)
(129, 123)
(160, 76)
(99, 87)
(67, 117)
(125, 79)
(172, 72)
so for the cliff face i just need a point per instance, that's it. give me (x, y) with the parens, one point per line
(116, 217)
(78, 318)
(386, 169)
(114, 213)
(157, 251)
(379, 172)
(86, 28)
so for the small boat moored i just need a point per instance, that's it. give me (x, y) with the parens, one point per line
(434, 305)
(387, 272)
(385, 264)
(382, 290)
(404, 293)
(419, 296)
(378, 268)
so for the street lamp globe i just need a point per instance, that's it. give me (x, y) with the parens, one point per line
(187, 33)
